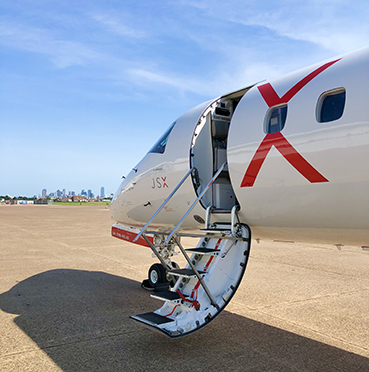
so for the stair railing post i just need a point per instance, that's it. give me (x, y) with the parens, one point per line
(207, 216)
(234, 219)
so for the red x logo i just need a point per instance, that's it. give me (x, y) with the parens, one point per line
(278, 140)
(164, 183)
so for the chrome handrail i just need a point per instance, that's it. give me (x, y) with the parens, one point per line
(195, 202)
(162, 206)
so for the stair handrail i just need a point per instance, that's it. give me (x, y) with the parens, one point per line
(195, 202)
(164, 203)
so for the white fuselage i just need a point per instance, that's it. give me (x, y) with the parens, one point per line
(308, 182)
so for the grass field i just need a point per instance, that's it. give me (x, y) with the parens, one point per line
(82, 203)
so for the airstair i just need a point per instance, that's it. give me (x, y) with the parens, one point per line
(214, 269)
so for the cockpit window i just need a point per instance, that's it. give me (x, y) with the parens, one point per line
(160, 145)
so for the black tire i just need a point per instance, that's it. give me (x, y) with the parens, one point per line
(175, 265)
(157, 275)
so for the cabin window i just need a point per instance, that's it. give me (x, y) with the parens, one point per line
(275, 119)
(160, 145)
(331, 105)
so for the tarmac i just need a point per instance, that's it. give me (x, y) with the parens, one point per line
(67, 289)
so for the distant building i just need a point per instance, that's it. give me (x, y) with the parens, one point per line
(102, 192)
(64, 193)
(41, 201)
(90, 194)
(22, 202)
(83, 192)
(44, 193)
(79, 198)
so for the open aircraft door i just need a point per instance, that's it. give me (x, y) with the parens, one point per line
(209, 152)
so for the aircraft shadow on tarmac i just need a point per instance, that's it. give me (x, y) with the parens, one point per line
(81, 320)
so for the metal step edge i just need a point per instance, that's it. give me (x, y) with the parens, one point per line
(216, 231)
(221, 211)
(213, 252)
(149, 322)
(186, 275)
(158, 296)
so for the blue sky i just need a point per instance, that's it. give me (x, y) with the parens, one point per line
(86, 87)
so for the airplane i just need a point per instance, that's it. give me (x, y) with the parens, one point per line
(286, 159)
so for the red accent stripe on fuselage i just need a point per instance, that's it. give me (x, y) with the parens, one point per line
(128, 236)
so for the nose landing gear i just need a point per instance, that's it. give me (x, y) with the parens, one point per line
(157, 275)
(158, 279)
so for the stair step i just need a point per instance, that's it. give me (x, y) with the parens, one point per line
(152, 319)
(167, 296)
(187, 273)
(207, 251)
(220, 211)
(216, 231)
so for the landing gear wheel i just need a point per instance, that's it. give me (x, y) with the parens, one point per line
(171, 278)
(157, 275)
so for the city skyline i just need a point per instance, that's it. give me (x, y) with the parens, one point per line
(64, 193)
(96, 191)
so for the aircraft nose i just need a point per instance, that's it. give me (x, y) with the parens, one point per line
(118, 204)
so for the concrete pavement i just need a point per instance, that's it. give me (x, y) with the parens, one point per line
(67, 289)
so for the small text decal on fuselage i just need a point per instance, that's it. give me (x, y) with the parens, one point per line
(159, 182)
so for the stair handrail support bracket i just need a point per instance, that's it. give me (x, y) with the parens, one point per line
(164, 203)
(234, 220)
(209, 209)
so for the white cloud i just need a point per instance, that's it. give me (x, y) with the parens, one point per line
(117, 26)
(337, 25)
(63, 53)
(156, 78)
(221, 83)
(235, 60)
